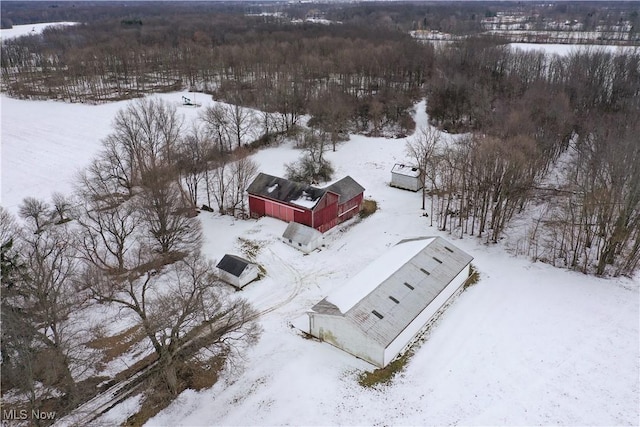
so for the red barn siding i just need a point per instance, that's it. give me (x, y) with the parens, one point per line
(259, 206)
(304, 217)
(326, 214)
(350, 208)
(256, 206)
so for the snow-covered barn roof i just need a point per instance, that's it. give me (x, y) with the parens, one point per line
(347, 188)
(285, 191)
(301, 233)
(389, 293)
(233, 264)
(301, 194)
(407, 170)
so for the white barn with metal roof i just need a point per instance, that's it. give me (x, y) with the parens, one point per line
(381, 309)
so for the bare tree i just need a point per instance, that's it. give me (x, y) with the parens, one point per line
(41, 342)
(241, 121)
(62, 206)
(331, 112)
(195, 150)
(145, 135)
(218, 185)
(167, 217)
(312, 167)
(230, 124)
(36, 211)
(217, 125)
(421, 148)
(241, 173)
(180, 307)
(110, 236)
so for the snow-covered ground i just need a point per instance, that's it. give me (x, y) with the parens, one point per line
(528, 344)
(45, 143)
(23, 30)
(566, 49)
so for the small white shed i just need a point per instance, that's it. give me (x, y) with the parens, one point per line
(378, 313)
(406, 177)
(301, 237)
(237, 271)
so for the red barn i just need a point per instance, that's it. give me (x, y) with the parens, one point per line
(319, 208)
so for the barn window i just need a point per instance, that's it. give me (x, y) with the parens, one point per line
(437, 260)
(425, 271)
(393, 299)
(378, 315)
(449, 249)
(409, 286)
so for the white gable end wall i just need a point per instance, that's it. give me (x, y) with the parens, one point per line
(407, 335)
(229, 278)
(341, 333)
(250, 273)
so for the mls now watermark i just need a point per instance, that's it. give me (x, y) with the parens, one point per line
(23, 414)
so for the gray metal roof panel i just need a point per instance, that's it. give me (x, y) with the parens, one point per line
(300, 233)
(397, 316)
(347, 188)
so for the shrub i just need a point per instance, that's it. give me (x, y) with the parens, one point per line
(369, 206)
(386, 374)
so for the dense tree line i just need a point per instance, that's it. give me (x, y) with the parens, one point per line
(533, 117)
(375, 73)
(455, 18)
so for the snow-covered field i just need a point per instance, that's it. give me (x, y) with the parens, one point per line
(45, 143)
(23, 30)
(528, 344)
(566, 49)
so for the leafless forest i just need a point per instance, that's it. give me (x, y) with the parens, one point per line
(553, 139)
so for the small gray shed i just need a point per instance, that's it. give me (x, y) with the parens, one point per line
(301, 237)
(377, 313)
(406, 177)
(237, 271)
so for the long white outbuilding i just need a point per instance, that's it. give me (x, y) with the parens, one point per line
(377, 313)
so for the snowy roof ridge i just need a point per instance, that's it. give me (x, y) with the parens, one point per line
(346, 188)
(299, 193)
(300, 233)
(406, 169)
(285, 190)
(368, 279)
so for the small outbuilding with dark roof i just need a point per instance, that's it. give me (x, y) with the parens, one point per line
(237, 271)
